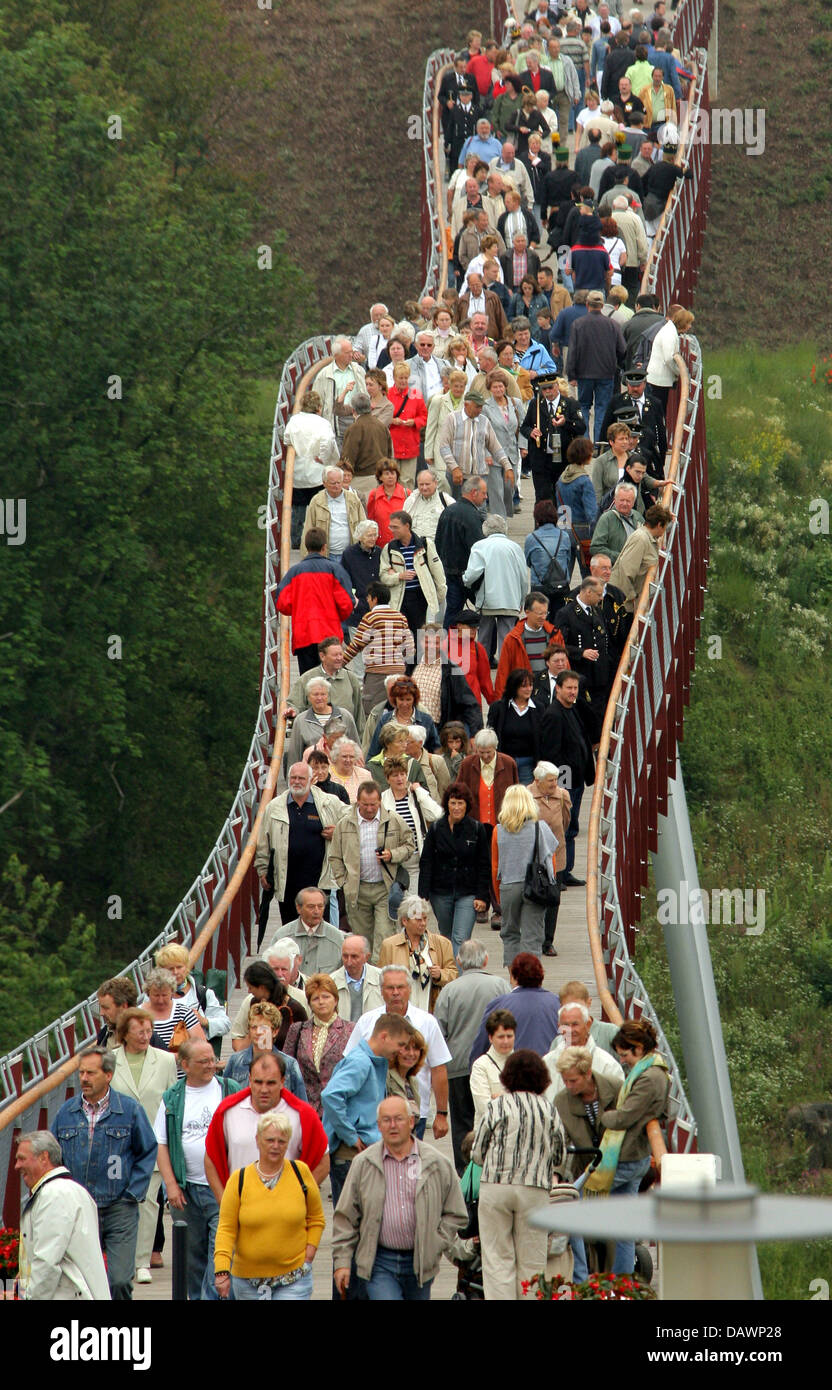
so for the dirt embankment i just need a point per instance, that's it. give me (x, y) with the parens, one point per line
(335, 160)
(764, 276)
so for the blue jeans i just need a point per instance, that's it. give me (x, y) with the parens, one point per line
(246, 1290)
(339, 1171)
(580, 1270)
(600, 389)
(118, 1228)
(201, 1212)
(626, 1182)
(525, 768)
(455, 916)
(393, 1280)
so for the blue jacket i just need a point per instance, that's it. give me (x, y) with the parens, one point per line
(352, 1096)
(239, 1064)
(579, 496)
(564, 321)
(121, 1159)
(664, 60)
(536, 1014)
(542, 546)
(420, 716)
(537, 359)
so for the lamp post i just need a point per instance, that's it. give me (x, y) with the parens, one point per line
(708, 1234)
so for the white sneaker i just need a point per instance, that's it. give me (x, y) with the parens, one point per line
(143, 1276)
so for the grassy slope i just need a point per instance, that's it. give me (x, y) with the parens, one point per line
(764, 276)
(756, 757)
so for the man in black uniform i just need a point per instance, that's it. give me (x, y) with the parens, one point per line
(582, 626)
(611, 608)
(564, 740)
(552, 422)
(462, 123)
(635, 401)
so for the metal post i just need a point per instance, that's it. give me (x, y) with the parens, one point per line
(179, 1271)
(697, 1008)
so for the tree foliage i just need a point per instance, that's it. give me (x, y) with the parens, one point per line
(133, 322)
(40, 994)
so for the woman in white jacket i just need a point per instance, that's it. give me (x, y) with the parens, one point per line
(487, 1072)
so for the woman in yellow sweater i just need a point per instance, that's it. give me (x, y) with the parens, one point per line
(271, 1221)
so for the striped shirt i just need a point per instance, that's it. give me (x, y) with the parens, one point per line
(535, 641)
(386, 640)
(519, 1140)
(408, 553)
(164, 1027)
(403, 810)
(398, 1219)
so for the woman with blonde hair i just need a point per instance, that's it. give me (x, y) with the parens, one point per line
(271, 1222)
(402, 1074)
(521, 839)
(202, 1000)
(460, 355)
(410, 415)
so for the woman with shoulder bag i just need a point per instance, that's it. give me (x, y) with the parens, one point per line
(522, 843)
(576, 493)
(548, 551)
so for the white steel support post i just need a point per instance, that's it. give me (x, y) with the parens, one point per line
(697, 1008)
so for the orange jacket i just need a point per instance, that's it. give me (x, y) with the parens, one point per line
(513, 654)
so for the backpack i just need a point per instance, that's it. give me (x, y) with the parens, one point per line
(555, 582)
(638, 355)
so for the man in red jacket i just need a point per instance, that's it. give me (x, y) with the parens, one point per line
(481, 67)
(230, 1142)
(525, 644)
(317, 595)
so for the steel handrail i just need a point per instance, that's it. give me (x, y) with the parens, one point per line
(608, 1003)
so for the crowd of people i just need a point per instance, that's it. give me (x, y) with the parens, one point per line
(528, 1082)
(443, 726)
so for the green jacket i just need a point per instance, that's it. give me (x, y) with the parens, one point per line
(174, 1100)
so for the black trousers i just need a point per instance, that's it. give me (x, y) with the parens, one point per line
(544, 486)
(461, 1108)
(414, 610)
(307, 657)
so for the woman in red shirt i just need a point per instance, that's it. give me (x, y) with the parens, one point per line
(410, 415)
(385, 499)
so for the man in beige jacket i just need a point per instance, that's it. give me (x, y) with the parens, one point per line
(639, 554)
(368, 843)
(336, 512)
(427, 1208)
(297, 829)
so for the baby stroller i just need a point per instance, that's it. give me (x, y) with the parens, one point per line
(465, 1251)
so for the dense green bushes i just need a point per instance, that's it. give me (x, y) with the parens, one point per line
(134, 324)
(756, 756)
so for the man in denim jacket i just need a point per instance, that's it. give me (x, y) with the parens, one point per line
(110, 1149)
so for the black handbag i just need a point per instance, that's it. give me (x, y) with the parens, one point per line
(399, 882)
(538, 887)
